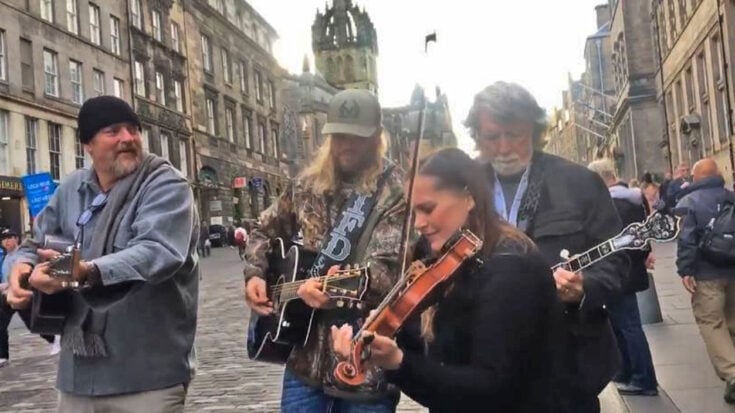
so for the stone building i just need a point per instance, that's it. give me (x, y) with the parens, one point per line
(696, 44)
(402, 127)
(53, 56)
(305, 99)
(637, 124)
(567, 135)
(233, 79)
(345, 46)
(159, 79)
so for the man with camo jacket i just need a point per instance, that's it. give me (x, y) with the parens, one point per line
(348, 187)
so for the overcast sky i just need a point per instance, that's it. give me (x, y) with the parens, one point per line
(532, 42)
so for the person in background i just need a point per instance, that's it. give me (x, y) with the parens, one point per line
(712, 285)
(680, 181)
(637, 375)
(205, 245)
(10, 242)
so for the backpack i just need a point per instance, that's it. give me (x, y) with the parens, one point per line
(718, 239)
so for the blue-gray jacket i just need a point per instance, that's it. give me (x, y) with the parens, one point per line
(150, 332)
(697, 206)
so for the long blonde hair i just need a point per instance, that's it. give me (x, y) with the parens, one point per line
(320, 176)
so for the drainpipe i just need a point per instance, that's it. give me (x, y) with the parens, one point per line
(599, 67)
(661, 77)
(131, 58)
(635, 153)
(725, 69)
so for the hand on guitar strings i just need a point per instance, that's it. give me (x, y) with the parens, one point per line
(257, 297)
(382, 351)
(311, 291)
(569, 286)
(17, 296)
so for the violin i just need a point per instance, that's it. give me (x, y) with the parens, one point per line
(404, 300)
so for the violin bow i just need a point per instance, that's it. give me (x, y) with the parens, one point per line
(407, 222)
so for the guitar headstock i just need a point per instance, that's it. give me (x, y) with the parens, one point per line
(658, 227)
(348, 285)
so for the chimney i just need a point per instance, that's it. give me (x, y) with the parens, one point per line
(603, 14)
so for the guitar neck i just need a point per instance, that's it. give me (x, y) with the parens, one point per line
(583, 260)
(289, 291)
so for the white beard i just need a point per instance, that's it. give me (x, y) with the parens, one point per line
(508, 166)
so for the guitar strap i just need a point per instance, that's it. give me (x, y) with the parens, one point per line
(340, 245)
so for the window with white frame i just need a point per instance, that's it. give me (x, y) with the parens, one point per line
(77, 89)
(3, 59)
(51, 72)
(115, 35)
(4, 141)
(160, 89)
(137, 13)
(72, 16)
(230, 124)
(47, 10)
(54, 149)
(274, 140)
(206, 53)
(272, 94)
(226, 66)
(175, 40)
(78, 154)
(145, 136)
(139, 78)
(95, 36)
(118, 87)
(164, 146)
(99, 82)
(31, 145)
(247, 126)
(258, 87)
(183, 159)
(157, 30)
(210, 116)
(243, 73)
(179, 96)
(262, 138)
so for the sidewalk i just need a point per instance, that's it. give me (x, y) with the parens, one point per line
(685, 374)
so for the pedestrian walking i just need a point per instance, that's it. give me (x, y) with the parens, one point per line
(708, 274)
(636, 375)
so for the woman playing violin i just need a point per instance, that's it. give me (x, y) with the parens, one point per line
(486, 342)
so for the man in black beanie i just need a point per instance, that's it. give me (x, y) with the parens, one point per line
(128, 338)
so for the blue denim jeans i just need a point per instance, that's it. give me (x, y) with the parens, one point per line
(297, 397)
(637, 366)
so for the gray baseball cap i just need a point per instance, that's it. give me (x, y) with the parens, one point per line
(353, 112)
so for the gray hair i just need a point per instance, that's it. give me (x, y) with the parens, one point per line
(508, 102)
(603, 167)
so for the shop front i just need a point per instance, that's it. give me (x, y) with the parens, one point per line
(11, 204)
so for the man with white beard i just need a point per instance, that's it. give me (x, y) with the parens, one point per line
(561, 206)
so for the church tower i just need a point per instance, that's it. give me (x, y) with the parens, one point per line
(345, 46)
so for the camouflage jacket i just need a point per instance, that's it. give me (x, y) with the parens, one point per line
(299, 209)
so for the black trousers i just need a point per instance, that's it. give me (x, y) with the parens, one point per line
(6, 314)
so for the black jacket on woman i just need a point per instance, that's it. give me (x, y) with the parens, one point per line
(493, 344)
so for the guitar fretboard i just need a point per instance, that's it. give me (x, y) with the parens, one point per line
(589, 257)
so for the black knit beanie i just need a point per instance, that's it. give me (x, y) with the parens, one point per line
(100, 112)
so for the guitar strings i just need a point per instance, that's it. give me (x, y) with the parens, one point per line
(294, 286)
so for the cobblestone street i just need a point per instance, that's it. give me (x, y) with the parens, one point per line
(226, 381)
